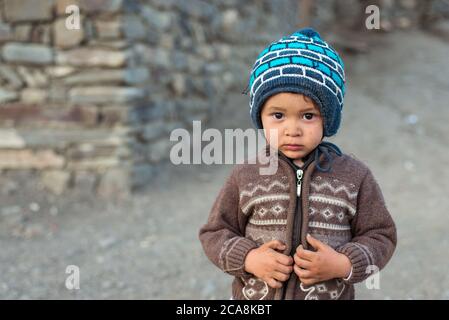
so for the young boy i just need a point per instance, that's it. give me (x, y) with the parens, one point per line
(319, 224)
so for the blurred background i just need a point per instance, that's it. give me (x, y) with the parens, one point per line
(90, 91)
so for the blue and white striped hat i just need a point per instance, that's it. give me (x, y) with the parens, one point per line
(300, 63)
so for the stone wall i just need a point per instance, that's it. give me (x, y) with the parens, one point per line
(93, 107)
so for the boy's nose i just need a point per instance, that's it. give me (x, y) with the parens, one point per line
(293, 130)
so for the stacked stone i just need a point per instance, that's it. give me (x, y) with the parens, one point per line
(65, 93)
(98, 103)
(93, 107)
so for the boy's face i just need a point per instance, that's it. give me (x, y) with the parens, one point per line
(298, 123)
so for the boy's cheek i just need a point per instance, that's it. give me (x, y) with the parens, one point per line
(272, 137)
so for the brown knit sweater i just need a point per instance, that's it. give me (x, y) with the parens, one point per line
(343, 208)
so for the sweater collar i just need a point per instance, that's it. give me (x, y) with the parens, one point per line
(322, 152)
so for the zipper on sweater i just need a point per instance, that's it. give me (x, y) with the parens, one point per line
(299, 174)
(297, 225)
(298, 220)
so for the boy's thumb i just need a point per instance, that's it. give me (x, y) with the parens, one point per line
(276, 244)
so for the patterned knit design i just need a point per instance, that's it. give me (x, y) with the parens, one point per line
(343, 208)
(332, 205)
(301, 63)
(265, 201)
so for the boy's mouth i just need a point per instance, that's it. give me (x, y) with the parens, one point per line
(293, 147)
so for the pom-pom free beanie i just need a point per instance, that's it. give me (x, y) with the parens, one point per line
(300, 63)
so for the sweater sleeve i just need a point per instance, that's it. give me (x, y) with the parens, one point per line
(222, 236)
(374, 233)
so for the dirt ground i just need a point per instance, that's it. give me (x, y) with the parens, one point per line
(146, 247)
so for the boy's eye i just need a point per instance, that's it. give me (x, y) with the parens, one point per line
(278, 115)
(308, 116)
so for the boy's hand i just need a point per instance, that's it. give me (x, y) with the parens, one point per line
(267, 264)
(324, 264)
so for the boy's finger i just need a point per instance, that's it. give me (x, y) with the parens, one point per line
(280, 276)
(305, 254)
(274, 284)
(315, 243)
(284, 269)
(301, 273)
(305, 264)
(276, 245)
(285, 260)
(309, 281)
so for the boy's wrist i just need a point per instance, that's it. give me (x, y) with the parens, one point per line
(247, 263)
(345, 266)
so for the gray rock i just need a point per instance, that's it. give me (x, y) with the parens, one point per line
(57, 93)
(197, 9)
(64, 37)
(408, 4)
(156, 19)
(105, 94)
(8, 95)
(95, 76)
(62, 138)
(108, 29)
(33, 95)
(25, 10)
(90, 57)
(133, 28)
(11, 139)
(110, 44)
(158, 57)
(26, 159)
(61, 6)
(164, 4)
(41, 34)
(27, 53)
(112, 115)
(11, 77)
(59, 71)
(34, 77)
(136, 75)
(194, 105)
(230, 18)
(179, 60)
(96, 164)
(5, 32)
(130, 76)
(194, 64)
(22, 32)
(34, 207)
(98, 6)
(178, 84)
(153, 130)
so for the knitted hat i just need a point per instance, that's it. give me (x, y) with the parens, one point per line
(300, 63)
